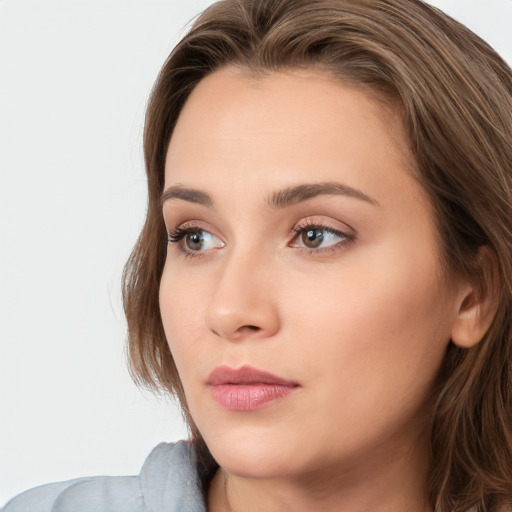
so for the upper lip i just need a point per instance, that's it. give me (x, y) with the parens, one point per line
(245, 375)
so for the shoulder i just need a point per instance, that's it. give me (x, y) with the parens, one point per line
(167, 482)
(95, 494)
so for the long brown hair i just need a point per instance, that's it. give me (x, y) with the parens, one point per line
(454, 94)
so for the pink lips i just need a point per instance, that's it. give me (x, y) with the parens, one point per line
(246, 388)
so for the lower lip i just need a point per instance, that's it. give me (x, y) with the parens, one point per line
(248, 397)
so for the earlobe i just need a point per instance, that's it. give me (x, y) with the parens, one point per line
(478, 302)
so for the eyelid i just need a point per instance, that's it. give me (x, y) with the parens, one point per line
(193, 225)
(327, 223)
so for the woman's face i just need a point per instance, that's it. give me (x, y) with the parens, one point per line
(302, 295)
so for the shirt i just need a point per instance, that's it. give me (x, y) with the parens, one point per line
(168, 482)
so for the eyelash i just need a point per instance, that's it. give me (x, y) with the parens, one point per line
(177, 235)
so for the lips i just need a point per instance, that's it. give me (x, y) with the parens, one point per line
(246, 388)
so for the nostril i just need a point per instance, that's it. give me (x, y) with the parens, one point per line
(247, 331)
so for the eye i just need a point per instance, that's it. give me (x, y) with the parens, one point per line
(316, 237)
(193, 239)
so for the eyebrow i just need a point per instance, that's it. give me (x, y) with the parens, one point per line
(293, 195)
(186, 194)
(280, 199)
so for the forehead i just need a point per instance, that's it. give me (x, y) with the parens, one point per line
(279, 130)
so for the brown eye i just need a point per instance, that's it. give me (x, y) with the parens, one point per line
(320, 237)
(194, 240)
(313, 237)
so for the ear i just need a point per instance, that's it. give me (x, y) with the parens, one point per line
(478, 300)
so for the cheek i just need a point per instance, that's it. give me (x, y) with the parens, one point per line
(370, 353)
(182, 309)
(379, 316)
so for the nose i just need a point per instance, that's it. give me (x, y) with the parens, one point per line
(243, 305)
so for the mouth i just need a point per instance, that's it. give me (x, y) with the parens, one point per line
(247, 388)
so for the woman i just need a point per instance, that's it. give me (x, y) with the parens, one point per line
(324, 275)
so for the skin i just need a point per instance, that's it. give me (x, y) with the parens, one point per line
(360, 322)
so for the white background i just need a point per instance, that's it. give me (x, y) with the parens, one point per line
(74, 80)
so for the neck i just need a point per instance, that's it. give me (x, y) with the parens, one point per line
(396, 485)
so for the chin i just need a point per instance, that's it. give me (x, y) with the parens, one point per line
(253, 455)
